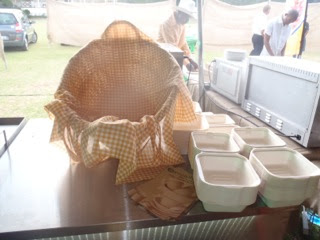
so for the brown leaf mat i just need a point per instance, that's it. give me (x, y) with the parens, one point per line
(168, 195)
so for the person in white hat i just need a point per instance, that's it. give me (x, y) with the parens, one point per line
(173, 30)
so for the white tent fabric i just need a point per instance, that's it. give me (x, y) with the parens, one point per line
(78, 23)
(224, 25)
(313, 37)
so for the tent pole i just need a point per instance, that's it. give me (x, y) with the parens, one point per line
(200, 60)
(303, 29)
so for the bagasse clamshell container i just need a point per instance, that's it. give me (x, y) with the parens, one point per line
(225, 182)
(258, 137)
(196, 107)
(210, 142)
(222, 128)
(287, 177)
(218, 119)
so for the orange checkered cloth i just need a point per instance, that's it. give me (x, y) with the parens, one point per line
(118, 98)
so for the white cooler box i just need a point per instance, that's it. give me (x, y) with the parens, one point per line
(182, 131)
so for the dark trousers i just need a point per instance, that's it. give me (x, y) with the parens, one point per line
(257, 41)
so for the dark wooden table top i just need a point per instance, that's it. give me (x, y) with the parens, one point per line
(43, 195)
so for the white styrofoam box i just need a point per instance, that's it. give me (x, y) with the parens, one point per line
(222, 128)
(210, 142)
(182, 131)
(196, 107)
(225, 182)
(257, 137)
(287, 177)
(218, 119)
(235, 54)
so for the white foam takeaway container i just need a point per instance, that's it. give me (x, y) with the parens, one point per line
(257, 137)
(225, 182)
(196, 107)
(210, 142)
(182, 131)
(222, 128)
(287, 177)
(218, 119)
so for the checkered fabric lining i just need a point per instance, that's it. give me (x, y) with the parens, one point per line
(118, 98)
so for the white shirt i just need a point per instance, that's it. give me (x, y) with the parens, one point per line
(259, 23)
(279, 34)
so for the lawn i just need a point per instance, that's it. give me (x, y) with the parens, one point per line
(32, 76)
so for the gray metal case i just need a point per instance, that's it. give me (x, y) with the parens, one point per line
(284, 93)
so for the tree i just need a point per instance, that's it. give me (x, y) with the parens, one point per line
(6, 4)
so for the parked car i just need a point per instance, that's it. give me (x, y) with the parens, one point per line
(16, 29)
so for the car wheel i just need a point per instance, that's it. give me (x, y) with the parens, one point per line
(25, 46)
(34, 37)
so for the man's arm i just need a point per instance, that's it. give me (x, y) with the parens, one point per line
(168, 35)
(183, 45)
(188, 62)
(267, 44)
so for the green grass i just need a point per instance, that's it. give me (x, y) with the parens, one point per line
(32, 76)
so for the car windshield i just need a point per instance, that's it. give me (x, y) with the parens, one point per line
(7, 19)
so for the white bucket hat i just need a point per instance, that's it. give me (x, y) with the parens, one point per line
(188, 7)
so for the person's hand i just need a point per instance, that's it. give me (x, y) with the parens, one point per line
(189, 67)
(192, 65)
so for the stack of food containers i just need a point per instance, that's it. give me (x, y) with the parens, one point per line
(218, 119)
(220, 123)
(287, 177)
(225, 182)
(210, 142)
(213, 141)
(259, 137)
